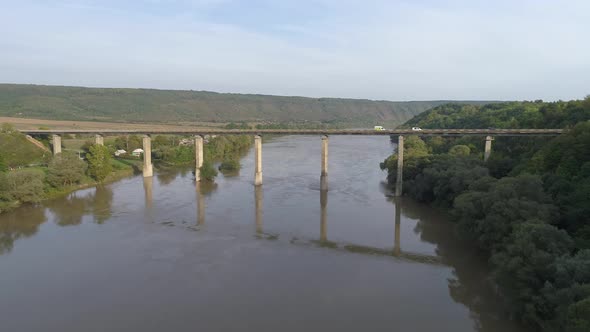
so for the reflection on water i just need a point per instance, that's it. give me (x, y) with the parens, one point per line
(323, 215)
(375, 263)
(20, 223)
(258, 209)
(200, 204)
(397, 241)
(148, 188)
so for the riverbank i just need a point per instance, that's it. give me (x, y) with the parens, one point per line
(122, 169)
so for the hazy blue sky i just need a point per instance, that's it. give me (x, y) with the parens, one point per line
(395, 50)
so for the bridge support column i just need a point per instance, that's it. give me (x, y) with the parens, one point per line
(488, 148)
(257, 160)
(56, 144)
(400, 166)
(324, 173)
(99, 139)
(148, 169)
(198, 157)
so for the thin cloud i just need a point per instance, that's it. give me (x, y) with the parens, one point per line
(415, 50)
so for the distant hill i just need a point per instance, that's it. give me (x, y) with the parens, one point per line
(171, 106)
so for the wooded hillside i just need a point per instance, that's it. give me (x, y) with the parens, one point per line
(146, 105)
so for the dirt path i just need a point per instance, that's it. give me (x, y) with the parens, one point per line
(22, 123)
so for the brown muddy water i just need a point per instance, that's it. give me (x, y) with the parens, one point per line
(162, 255)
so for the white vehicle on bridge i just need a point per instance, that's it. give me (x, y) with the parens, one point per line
(379, 128)
(416, 129)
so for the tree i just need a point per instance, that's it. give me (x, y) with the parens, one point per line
(460, 150)
(99, 162)
(65, 169)
(526, 262)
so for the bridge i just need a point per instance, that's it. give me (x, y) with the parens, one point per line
(324, 133)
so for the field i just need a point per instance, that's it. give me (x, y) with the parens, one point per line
(28, 124)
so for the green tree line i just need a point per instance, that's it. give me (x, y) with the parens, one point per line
(526, 208)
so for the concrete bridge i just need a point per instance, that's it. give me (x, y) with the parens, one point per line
(324, 133)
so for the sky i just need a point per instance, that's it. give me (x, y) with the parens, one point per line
(371, 49)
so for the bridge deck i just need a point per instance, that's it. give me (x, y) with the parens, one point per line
(367, 132)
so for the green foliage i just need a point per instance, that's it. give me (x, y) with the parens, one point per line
(459, 150)
(144, 105)
(99, 162)
(208, 172)
(65, 169)
(535, 227)
(230, 165)
(22, 186)
(176, 155)
(3, 166)
(161, 141)
(241, 125)
(226, 147)
(128, 143)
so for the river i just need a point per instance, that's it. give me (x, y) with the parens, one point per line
(160, 254)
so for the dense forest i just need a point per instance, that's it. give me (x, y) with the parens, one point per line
(169, 106)
(527, 208)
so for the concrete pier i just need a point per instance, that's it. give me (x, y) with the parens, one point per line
(324, 173)
(198, 157)
(258, 208)
(323, 216)
(488, 148)
(400, 166)
(56, 144)
(99, 139)
(148, 169)
(257, 160)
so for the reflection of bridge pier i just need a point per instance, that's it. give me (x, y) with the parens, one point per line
(397, 242)
(148, 183)
(323, 215)
(258, 208)
(200, 205)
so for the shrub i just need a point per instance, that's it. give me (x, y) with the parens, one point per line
(65, 169)
(208, 172)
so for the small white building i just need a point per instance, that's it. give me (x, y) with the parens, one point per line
(186, 141)
(120, 152)
(137, 152)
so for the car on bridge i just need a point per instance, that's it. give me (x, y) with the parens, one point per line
(379, 128)
(416, 129)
